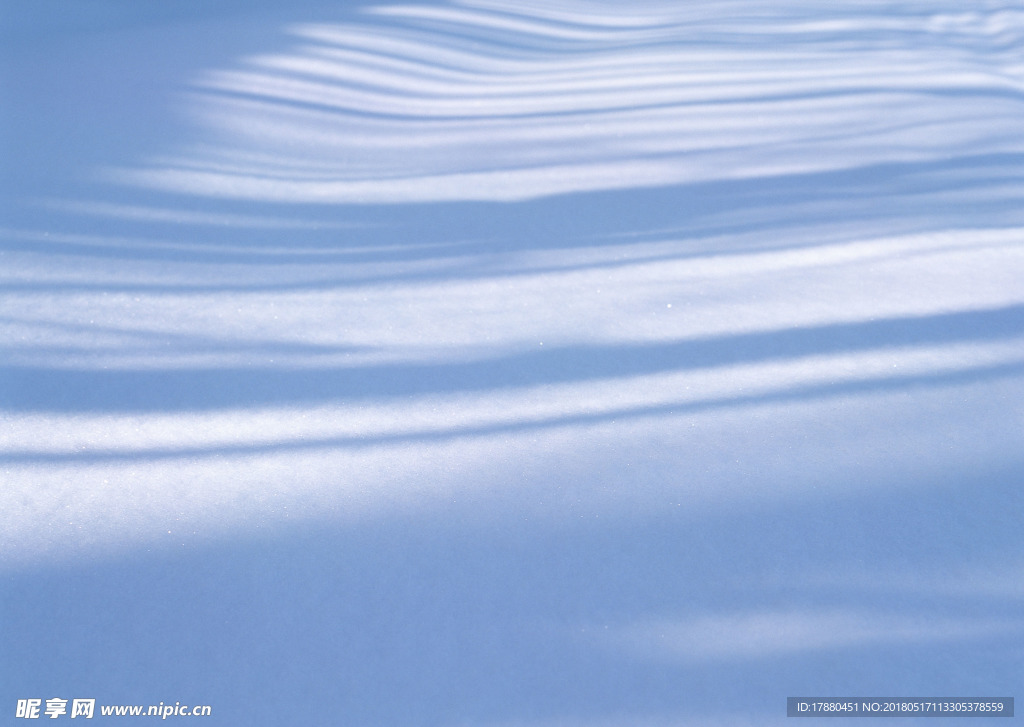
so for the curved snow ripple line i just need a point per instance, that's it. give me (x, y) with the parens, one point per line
(436, 433)
(47, 389)
(498, 101)
(767, 634)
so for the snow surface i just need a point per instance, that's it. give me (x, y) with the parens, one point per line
(511, 363)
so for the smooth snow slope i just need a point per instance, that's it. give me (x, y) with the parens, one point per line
(557, 363)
